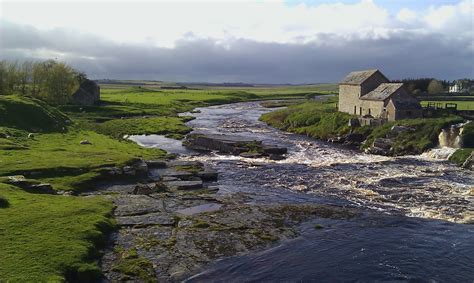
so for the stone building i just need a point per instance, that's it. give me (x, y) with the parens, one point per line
(87, 94)
(371, 95)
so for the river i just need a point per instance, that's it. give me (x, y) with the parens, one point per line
(416, 234)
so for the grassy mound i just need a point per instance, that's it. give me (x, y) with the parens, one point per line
(316, 119)
(30, 115)
(46, 238)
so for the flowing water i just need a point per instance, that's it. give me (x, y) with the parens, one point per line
(421, 203)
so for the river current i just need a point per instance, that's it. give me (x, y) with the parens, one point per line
(418, 205)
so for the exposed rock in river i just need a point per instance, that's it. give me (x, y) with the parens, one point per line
(236, 145)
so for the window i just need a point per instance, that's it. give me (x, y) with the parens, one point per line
(369, 111)
(355, 110)
(360, 111)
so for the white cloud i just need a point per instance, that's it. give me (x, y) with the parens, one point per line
(162, 23)
(239, 35)
(406, 15)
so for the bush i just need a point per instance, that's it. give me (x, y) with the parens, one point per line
(3, 202)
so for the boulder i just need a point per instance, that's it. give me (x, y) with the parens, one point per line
(129, 170)
(141, 167)
(383, 143)
(85, 142)
(42, 188)
(396, 130)
(381, 146)
(274, 150)
(156, 163)
(354, 139)
(469, 161)
(208, 174)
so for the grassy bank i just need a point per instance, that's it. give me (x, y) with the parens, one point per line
(55, 238)
(322, 121)
(46, 238)
(317, 119)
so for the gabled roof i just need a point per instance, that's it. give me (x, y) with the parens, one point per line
(358, 77)
(382, 92)
(411, 104)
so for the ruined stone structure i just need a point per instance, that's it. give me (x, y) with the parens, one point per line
(87, 94)
(370, 94)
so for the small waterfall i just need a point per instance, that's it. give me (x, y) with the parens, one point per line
(450, 140)
(451, 137)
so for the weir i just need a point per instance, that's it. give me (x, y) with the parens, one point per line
(452, 136)
(450, 139)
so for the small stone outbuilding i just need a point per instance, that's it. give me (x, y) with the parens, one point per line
(87, 94)
(370, 94)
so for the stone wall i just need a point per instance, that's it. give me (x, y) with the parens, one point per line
(373, 107)
(349, 95)
(349, 98)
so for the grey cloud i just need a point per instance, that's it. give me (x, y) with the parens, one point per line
(403, 54)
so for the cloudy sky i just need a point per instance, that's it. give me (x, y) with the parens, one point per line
(294, 41)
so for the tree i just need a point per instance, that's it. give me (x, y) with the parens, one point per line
(49, 80)
(435, 87)
(59, 83)
(3, 78)
(24, 76)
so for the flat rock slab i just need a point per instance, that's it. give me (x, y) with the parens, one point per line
(208, 207)
(184, 185)
(156, 163)
(157, 218)
(128, 205)
(190, 163)
(208, 174)
(169, 172)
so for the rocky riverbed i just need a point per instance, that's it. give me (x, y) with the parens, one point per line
(174, 222)
(324, 210)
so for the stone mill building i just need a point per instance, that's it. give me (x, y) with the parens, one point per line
(369, 94)
(87, 94)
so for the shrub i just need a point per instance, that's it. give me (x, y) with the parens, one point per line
(3, 202)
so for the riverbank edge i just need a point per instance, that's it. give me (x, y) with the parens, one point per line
(320, 120)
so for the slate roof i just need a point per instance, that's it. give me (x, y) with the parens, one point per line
(358, 77)
(411, 104)
(382, 92)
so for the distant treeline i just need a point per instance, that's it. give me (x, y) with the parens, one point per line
(52, 81)
(425, 85)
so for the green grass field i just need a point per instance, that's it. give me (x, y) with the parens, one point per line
(47, 238)
(461, 105)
